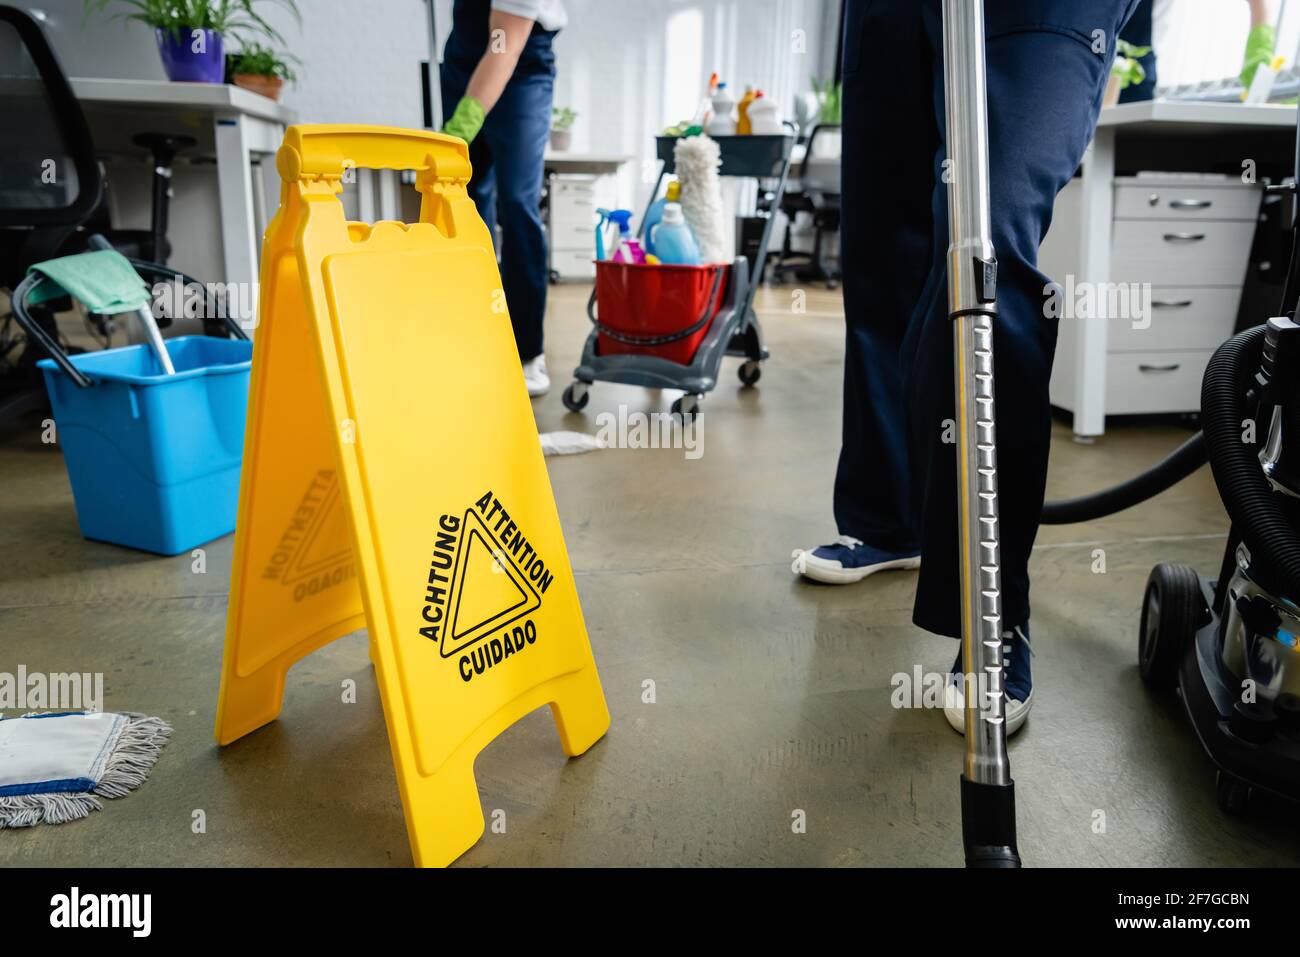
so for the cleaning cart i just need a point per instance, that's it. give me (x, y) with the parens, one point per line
(669, 327)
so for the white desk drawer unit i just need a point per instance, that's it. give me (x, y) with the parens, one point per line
(572, 226)
(1186, 237)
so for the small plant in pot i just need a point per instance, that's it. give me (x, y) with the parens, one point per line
(260, 69)
(191, 34)
(562, 118)
(1126, 71)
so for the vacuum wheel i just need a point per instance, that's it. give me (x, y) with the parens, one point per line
(1232, 793)
(1171, 613)
(576, 396)
(687, 406)
(750, 372)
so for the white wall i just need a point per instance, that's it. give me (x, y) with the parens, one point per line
(615, 67)
(360, 60)
(1199, 40)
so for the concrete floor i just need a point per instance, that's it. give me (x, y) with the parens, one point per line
(772, 695)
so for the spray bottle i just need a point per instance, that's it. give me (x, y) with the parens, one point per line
(628, 249)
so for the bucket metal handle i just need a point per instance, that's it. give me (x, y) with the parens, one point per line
(51, 345)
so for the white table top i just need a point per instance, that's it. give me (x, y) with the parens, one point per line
(164, 94)
(607, 161)
(1202, 114)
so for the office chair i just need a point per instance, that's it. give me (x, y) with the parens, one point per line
(818, 196)
(51, 193)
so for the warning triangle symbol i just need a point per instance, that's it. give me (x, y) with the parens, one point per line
(488, 589)
(327, 541)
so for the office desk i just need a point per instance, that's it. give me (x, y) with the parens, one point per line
(230, 123)
(1153, 135)
(591, 164)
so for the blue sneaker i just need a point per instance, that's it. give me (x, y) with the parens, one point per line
(848, 560)
(1017, 684)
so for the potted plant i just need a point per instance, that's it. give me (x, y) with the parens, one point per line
(260, 69)
(561, 127)
(191, 33)
(1126, 71)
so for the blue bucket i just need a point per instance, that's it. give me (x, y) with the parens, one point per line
(154, 459)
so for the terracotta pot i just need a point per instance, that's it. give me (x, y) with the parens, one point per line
(560, 140)
(1111, 96)
(267, 86)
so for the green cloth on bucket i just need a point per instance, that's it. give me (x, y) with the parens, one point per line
(102, 280)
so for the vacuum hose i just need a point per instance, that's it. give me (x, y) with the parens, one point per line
(1182, 462)
(1252, 504)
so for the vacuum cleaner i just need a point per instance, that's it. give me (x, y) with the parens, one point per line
(1230, 645)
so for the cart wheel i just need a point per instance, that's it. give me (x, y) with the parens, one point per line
(1171, 613)
(687, 406)
(750, 372)
(576, 396)
(554, 277)
(1232, 793)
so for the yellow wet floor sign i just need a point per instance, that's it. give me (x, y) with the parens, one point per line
(393, 479)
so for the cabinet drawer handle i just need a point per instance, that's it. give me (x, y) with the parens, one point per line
(1172, 367)
(1190, 203)
(1170, 303)
(1183, 237)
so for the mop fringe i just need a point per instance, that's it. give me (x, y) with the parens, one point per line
(134, 754)
(28, 810)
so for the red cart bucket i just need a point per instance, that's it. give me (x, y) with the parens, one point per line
(658, 310)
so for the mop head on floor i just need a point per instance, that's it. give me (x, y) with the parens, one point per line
(55, 767)
(697, 159)
(570, 443)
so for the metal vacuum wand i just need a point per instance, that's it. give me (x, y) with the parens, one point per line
(988, 807)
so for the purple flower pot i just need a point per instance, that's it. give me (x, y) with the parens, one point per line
(195, 56)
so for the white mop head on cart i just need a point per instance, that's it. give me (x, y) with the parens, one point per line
(697, 159)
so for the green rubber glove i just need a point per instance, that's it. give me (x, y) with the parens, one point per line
(467, 120)
(1259, 49)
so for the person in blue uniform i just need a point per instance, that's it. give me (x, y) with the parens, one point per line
(895, 498)
(499, 70)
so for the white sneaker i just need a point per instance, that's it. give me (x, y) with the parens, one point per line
(954, 707)
(535, 377)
